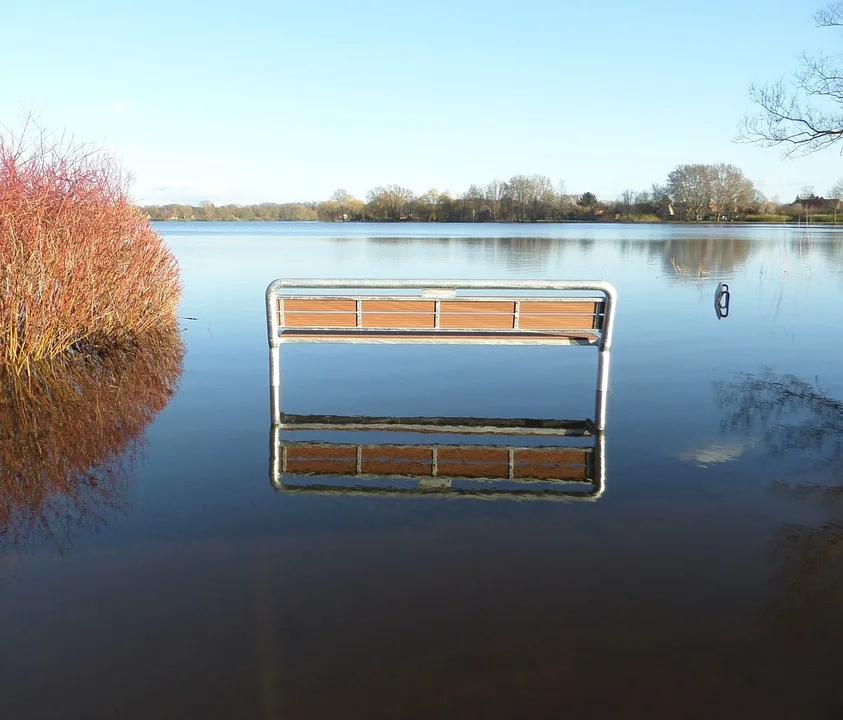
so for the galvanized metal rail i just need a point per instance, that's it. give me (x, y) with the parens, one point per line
(433, 311)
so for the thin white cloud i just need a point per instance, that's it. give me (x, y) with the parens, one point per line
(118, 108)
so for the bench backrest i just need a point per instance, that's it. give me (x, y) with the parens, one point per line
(439, 308)
(408, 313)
(447, 311)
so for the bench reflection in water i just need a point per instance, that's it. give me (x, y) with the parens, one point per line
(453, 457)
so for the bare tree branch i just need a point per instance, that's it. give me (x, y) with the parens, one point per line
(805, 114)
(830, 16)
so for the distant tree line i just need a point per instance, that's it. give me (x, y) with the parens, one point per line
(690, 193)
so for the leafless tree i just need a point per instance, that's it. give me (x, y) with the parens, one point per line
(701, 191)
(689, 187)
(803, 114)
(389, 203)
(494, 194)
(731, 190)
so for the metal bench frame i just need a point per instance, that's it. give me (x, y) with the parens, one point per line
(443, 290)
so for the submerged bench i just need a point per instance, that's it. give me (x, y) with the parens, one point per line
(488, 312)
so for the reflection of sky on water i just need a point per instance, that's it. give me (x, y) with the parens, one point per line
(716, 452)
(676, 561)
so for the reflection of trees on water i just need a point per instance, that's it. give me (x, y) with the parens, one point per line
(832, 252)
(695, 258)
(790, 414)
(798, 422)
(809, 579)
(683, 258)
(70, 433)
(512, 252)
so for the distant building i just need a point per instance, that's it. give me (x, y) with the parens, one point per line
(817, 204)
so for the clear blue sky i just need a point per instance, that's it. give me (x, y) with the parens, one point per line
(284, 101)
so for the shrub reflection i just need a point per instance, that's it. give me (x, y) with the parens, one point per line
(70, 432)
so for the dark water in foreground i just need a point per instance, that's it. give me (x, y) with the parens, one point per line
(706, 580)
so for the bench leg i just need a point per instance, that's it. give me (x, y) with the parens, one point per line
(603, 358)
(275, 384)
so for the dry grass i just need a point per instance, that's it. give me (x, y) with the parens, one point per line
(686, 272)
(70, 430)
(80, 268)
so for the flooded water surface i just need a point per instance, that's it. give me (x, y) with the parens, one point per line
(150, 568)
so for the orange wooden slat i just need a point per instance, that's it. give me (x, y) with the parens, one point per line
(480, 314)
(548, 316)
(478, 322)
(319, 313)
(556, 322)
(405, 322)
(471, 307)
(558, 308)
(397, 314)
(319, 305)
(399, 306)
(320, 320)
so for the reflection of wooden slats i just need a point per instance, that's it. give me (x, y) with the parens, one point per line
(418, 461)
(474, 462)
(334, 460)
(397, 313)
(535, 315)
(552, 463)
(409, 460)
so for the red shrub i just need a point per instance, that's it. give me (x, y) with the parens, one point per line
(80, 268)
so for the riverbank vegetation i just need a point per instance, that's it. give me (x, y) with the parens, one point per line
(690, 193)
(81, 270)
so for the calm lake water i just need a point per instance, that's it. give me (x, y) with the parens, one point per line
(706, 580)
